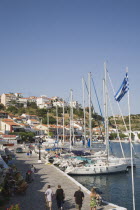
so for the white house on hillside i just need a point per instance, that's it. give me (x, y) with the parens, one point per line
(47, 105)
(60, 103)
(33, 122)
(42, 100)
(74, 104)
(23, 101)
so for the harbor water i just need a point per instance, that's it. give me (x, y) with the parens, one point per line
(117, 188)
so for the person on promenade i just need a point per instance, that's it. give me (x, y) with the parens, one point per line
(93, 199)
(28, 177)
(60, 197)
(30, 153)
(33, 169)
(49, 196)
(79, 197)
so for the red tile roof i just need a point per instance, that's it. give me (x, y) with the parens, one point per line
(7, 120)
(8, 136)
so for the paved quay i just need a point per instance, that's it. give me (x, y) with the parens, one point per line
(48, 174)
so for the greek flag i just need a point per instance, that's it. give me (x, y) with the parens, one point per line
(123, 89)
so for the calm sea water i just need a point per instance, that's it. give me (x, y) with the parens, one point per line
(117, 188)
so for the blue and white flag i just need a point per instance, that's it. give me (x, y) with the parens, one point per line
(123, 89)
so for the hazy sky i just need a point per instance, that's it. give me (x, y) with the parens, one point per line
(47, 46)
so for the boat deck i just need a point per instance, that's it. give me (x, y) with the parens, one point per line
(49, 174)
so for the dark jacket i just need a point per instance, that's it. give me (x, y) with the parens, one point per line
(60, 194)
(79, 195)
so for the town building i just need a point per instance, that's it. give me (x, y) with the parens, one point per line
(60, 103)
(6, 99)
(42, 100)
(8, 125)
(74, 104)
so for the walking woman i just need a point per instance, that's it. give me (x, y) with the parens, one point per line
(93, 197)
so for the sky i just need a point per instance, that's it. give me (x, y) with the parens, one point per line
(47, 46)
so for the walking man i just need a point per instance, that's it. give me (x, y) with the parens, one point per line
(60, 197)
(48, 196)
(30, 153)
(79, 197)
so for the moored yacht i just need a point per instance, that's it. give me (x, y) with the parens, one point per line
(100, 167)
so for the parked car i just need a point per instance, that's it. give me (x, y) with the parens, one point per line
(19, 150)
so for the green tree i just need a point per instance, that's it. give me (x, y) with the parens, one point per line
(21, 111)
(52, 120)
(12, 109)
(78, 112)
(51, 134)
(19, 105)
(93, 123)
(97, 117)
(2, 107)
(31, 111)
(13, 102)
(67, 110)
(113, 136)
(41, 112)
(60, 111)
(25, 136)
(32, 105)
(122, 135)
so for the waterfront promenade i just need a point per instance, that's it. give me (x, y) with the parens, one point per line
(47, 174)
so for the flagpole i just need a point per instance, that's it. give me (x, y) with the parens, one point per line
(83, 87)
(121, 116)
(132, 169)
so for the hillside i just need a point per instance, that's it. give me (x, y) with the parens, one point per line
(32, 109)
(135, 122)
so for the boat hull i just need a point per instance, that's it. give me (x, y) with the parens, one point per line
(97, 170)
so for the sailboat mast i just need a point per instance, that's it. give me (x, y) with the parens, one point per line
(63, 122)
(106, 112)
(83, 87)
(104, 102)
(72, 121)
(89, 83)
(71, 112)
(48, 121)
(57, 122)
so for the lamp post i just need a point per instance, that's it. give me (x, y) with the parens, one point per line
(39, 158)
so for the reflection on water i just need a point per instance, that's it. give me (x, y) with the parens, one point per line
(116, 188)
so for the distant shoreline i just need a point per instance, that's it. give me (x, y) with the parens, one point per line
(118, 141)
(121, 141)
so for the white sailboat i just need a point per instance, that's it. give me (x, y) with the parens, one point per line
(106, 165)
(136, 138)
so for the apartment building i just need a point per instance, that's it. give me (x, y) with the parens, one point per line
(42, 100)
(6, 99)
